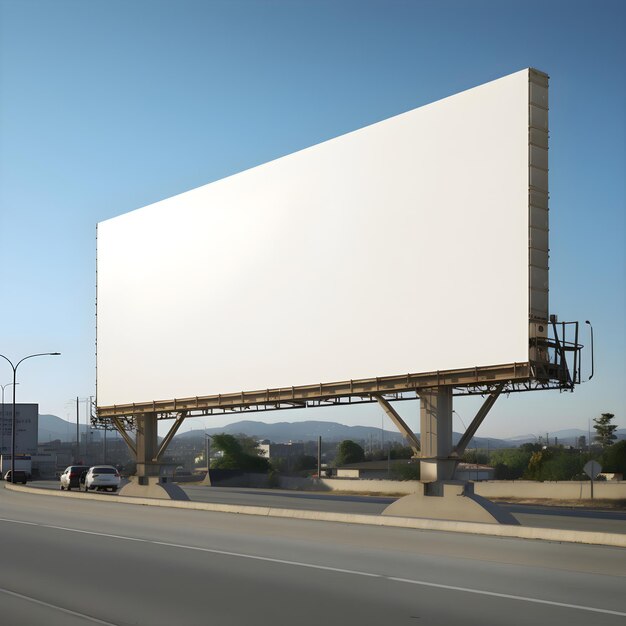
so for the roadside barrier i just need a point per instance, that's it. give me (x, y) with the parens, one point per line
(492, 530)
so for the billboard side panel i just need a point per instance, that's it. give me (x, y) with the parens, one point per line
(400, 247)
(538, 196)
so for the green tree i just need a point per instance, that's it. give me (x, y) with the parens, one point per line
(536, 463)
(613, 458)
(555, 464)
(510, 463)
(479, 457)
(563, 465)
(236, 454)
(401, 452)
(605, 431)
(410, 471)
(349, 452)
(249, 445)
(304, 462)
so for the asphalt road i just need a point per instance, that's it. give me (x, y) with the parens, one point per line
(527, 515)
(70, 561)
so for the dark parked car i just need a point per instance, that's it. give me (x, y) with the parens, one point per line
(70, 478)
(20, 477)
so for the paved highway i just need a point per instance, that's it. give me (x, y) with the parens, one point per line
(70, 561)
(528, 515)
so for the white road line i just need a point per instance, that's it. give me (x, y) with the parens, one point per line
(327, 568)
(95, 620)
(507, 596)
(268, 559)
(91, 532)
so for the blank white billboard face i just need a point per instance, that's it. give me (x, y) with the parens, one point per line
(402, 247)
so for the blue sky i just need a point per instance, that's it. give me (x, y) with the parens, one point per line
(106, 106)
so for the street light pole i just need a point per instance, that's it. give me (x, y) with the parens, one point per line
(207, 450)
(14, 368)
(592, 364)
(2, 421)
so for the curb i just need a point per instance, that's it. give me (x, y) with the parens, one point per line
(475, 528)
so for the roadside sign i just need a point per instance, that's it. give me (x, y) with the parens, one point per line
(592, 469)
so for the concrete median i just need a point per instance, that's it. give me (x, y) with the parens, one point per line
(493, 530)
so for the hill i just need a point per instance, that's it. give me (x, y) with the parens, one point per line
(310, 430)
(52, 427)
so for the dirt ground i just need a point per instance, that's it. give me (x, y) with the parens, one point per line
(597, 504)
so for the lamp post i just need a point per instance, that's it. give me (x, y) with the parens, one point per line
(591, 328)
(207, 452)
(14, 368)
(2, 420)
(207, 441)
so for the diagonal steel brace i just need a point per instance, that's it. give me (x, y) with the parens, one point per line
(459, 449)
(117, 422)
(170, 435)
(402, 426)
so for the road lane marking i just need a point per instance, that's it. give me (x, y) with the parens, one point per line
(327, 568)
(89, 618)
(269, 559)
(506, 596)
(91, 532)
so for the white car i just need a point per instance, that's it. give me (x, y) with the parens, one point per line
(72, 477)
(102, 477)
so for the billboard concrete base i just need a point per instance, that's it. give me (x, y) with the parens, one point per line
(152, 487)
(452, 500)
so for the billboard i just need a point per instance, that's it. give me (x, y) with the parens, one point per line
(416, 244)
(26, 424)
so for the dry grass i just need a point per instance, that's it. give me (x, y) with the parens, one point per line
(596, 503)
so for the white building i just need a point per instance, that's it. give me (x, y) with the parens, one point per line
(280, 450)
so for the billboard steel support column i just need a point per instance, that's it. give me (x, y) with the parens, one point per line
(147, 446)
(437, 463)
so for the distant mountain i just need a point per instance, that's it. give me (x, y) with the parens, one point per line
(299, 431)
(567, 436)
(52, 427)
(310, 430)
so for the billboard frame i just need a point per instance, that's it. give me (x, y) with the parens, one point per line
(434, 389)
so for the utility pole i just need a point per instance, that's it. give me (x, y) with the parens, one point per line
(319, 457)
(88, 432)
(77, 432)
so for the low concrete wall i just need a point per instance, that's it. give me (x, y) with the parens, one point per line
(395, 487)
(235, 478)
(522, 489)
(562, 490)
(302, 484)
(391, 487)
